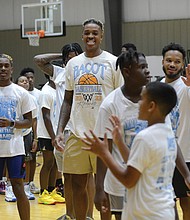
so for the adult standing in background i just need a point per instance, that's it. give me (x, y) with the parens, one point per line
(173, 66)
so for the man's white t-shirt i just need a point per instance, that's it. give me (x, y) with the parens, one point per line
(117, 104)
(36, 93)
(14, 103)
(153, 154)
(34, 115)
(91, 79)
(47, 100)
(59, 79)
(182, 114)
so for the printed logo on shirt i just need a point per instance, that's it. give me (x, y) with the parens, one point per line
(131, 128)
(165, 176)
(90, 68)
(7, 110)
(174, 117)
(88, 91)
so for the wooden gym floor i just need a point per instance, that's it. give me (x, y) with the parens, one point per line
(8, 210)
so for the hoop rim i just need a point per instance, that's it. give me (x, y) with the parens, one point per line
(29, 33)
(36, 33)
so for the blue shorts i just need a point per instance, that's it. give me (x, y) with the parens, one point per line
(15, 166)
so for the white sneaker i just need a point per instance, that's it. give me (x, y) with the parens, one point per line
(3, 184)
(33, 188)
(28, 193)
(9, 195)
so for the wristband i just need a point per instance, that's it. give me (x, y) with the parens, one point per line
(12, 124)
(36, 140)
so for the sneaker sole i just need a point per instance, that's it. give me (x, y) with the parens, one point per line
(35, 192)
(59, 202)
(45, 203)
(64, 217)
(31, 198)
(7, 200)
(56, 201)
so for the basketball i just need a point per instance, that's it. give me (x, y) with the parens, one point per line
(88, 79)
(41, 33)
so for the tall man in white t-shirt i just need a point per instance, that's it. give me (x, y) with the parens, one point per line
(90, 77)
(173, 66)
(15, 114)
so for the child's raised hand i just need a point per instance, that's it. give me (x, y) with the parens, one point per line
(117, 129)
(95, 145)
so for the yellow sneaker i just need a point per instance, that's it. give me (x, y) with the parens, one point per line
(57, 196)
(46, 199)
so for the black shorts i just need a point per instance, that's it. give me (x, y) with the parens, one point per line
(45, 144)
(28, 146)
(179, 185)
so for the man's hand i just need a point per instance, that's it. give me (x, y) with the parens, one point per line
(4, 122)
(187, 182)
(34, 145)
(59, 142)
(186, 79)
(101, 201)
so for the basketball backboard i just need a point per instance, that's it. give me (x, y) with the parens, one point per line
(46, 15)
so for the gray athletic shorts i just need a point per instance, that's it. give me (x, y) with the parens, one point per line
(116, 203)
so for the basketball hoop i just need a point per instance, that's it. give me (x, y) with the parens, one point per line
(34, 37)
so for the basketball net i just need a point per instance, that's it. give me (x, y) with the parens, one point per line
(34, 40)
(34, 37)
